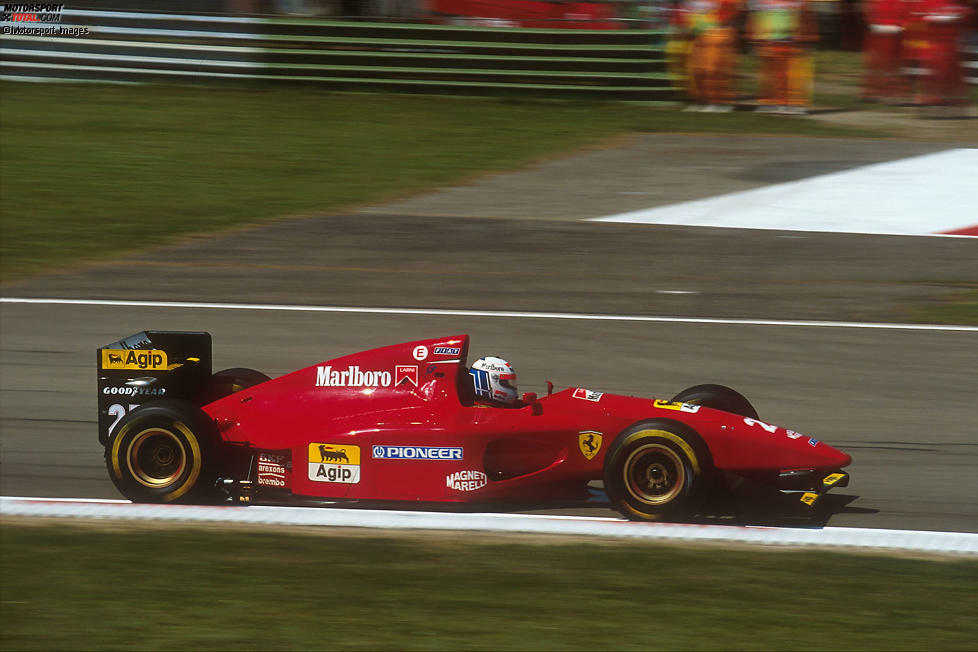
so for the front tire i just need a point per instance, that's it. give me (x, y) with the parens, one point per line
(718, 397)
(657, 470)
(164, 452)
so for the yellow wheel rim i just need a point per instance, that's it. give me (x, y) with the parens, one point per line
(654, 474)
(157, 458)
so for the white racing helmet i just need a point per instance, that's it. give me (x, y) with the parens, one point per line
(494, 380)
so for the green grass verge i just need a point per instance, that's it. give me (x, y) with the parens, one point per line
(954, 308)
(92, 171)
(66, 587)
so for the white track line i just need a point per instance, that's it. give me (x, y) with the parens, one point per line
(830, 537)
(491, 313)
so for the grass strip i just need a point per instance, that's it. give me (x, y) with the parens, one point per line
(93, 171)
(953, 308)
(69, 587)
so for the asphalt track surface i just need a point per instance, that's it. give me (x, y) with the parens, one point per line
(901, 402)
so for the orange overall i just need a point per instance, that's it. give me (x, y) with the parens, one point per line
(782, 31)
(711, 59)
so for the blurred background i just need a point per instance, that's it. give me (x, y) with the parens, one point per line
(712, 54)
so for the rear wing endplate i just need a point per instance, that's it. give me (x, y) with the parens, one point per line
(149, 366)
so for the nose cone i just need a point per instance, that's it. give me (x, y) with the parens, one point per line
(832, 457)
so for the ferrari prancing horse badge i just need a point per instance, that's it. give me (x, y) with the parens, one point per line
(590, 443)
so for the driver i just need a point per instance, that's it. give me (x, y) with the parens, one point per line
(494, 380)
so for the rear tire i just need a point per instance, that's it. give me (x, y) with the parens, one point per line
(718, 397)
(230, 381)
(164, 452)
(657, 470)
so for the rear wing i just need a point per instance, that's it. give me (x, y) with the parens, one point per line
(149, 366)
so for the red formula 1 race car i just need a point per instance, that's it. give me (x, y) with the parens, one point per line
(401, 423)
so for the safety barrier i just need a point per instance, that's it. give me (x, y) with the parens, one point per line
(351, 55)
(347, 55)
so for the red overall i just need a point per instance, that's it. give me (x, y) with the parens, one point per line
(711, 59)
(885, 24)
(944, 80)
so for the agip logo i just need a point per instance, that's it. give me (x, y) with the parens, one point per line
(141, 359)
(334, 463)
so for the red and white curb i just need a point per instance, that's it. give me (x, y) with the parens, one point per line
(933, 194)
(827, 537)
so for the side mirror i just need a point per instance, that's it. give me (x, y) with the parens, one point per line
(530, 398)
(550, 388)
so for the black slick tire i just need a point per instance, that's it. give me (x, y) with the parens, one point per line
(657, 470)
(164, 452)
(718, 397)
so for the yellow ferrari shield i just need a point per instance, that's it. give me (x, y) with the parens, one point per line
(590, 443)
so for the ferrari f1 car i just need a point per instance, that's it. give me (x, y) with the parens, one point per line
(400, 423)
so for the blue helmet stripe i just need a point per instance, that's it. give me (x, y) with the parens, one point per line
(480, 380)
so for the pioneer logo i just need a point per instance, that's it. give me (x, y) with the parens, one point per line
(416, 453)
